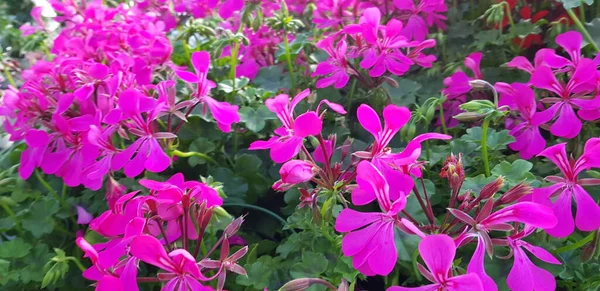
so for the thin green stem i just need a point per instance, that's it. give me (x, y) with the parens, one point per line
(258, 208)
(62, 201)
(351, 95)
(484, 149)
(12, 215)
(288, 58)
(581, 28)
(509, 14)
(443, 119)
(233, 69)
(9, 77)
(197, 154)
(575, 245)
(582, 11)
(77, 263)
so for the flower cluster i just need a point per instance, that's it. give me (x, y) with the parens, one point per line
(109, 80)
(164, 229)
(381, 49)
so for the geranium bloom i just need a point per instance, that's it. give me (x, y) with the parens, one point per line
(528, 213)
(384, 54)
(330, 13)
(370, 236)
(438, 253)
(224, 113)
(569, 187)
(423, 15)
(524, 275)
(457, 87)
(291, 135)
(568, 96)
(181, 270)
(528, 139)
(336, 67)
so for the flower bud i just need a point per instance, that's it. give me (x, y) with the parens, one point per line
(468, 116)
(515, 193)
(491, 188)
(296, 171)
(478, 105)
(453, 171)
(303, 284)
(234, 226)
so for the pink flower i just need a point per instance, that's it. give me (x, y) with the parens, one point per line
(228, 7)
(296, 171)
(331, 13)
(438, 253)
(528, 139)
(529, 213)
(569, 187)
(384, 54)
(457, 87)
(425, 14)
(181, 270)
(290, 136)
(83, 217)
(568, 96)
(370, 236)
(224, 113)
(524, 275)
(394, 117)
(336, 67)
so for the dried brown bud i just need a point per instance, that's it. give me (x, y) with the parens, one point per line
(490, 189)
(453, 171)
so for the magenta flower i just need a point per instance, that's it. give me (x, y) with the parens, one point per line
(568, 96)
(529, 213)
(331, 13)
(336, 67)
(438, 253)
(291, 135)
(296, 171)
(569, 187)
(528, 139)
(148, 151)
(228, 7)
(224, 113)
(524, 275)
(384, 54)
(421, 16)
(83, 217)
(457, 87)
(370, 236)
(181, 270)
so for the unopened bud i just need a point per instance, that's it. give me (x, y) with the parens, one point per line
(390, 82)
(478, 106)
(453, 171)
(515, 193)
(303, 284)
(469, 116)
(234, 226)
(490, 189)
(343, 286)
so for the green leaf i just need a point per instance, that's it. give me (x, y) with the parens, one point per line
(593, 29)
(405, 245)
(234, 186)
(514, 173)
(227, 85)
(247, 163)
(405, 94)
(496, 140)
(258, 273)
(16, 248)
(525, 28)
(570, 4)
(272, 79)
(255, 119)
(200, 145)
(312, 265)
(38, 220)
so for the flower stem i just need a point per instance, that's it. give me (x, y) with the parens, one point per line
(77, 263)
(443, 119)
(575, 245)
(258, 208)
(484, 149)
(62, 201)
(580, 26)
(9, 77)
(288, 58)
(509, 14)
(422, 204)
(197, 154)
